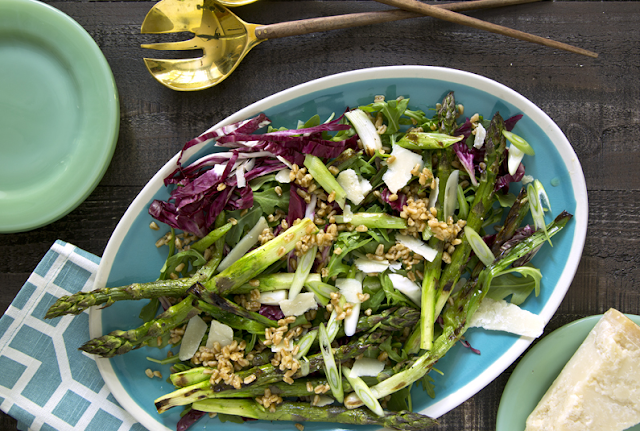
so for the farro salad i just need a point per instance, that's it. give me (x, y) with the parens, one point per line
(318, 273)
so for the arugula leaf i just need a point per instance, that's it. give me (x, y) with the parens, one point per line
(256, 183)
(149, 311)
(192, 259)
(245, 223)
(428, 386)
(269, 200)
(394, 296)
(347, 242)
(520, 287)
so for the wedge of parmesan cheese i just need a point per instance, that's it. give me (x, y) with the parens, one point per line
(349, 181)
(299, 305)
(398, 172)
(599, 388)
(505, 316)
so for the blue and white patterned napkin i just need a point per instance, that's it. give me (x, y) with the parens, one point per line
(46, 383)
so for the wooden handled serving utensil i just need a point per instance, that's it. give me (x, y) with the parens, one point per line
(225, 39)
(234, 3)
(451, 16)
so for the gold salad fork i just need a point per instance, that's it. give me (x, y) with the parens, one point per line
(225, 39)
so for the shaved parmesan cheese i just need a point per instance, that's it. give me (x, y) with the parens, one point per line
(322, 400)
(273, 298)
(406, 286)
(370, 266)
(350, 288)
(283, 176)
(504, 316)
(398, 172)
(299, 305)
(192, 337)
(288, 347)
(481, 134)
(221, 333)
(349, 181)
(365, 186)
(417, 246)
(366, 367)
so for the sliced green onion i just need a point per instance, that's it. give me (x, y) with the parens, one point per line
(244, 245)
(304, 366)
(167, 360)
(363, 392)
(305, 263)
(515, 157)
(479, 247)
(519, 143)
(451, 195)
(305, 343)
(374, 220)
(428, 140)
(327, 181)
(463, 205)
(542, 194)
(331, 371)
(537, 213)
(366, 130)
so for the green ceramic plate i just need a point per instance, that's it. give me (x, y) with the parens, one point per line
(537, 370)
(59, 115)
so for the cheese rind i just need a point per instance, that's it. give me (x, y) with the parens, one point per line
(599, 388)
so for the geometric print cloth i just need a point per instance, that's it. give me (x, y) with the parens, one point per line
(46, 383)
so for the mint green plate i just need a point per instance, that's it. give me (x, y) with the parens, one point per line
(59, 115)
(537, 370)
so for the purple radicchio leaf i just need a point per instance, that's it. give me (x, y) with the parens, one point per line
(245, 126)
(297, 205)
(510, 123)
(293, 144)
(505, 178)
(466, 159)
(166, 212)
(398, 204)
(189, 419)
(465, 130)
(272, 312)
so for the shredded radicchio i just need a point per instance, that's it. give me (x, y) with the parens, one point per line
(218, 181)
(397, 204)
(297, 205)
(272, 312)
(189, 419)
(505, 178)
(470, 158)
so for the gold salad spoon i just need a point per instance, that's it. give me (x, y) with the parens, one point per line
(225, 39)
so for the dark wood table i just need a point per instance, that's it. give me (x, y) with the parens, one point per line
(596, 102)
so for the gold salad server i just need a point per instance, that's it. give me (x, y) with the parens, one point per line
(225, 39)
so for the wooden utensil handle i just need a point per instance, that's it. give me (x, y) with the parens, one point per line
(306, 26)
(446, 15)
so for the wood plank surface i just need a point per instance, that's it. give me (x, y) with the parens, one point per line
(596, 103)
